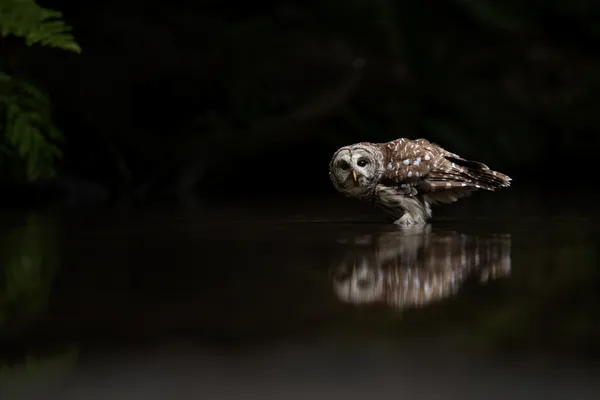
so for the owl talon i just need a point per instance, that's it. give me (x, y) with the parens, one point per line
(405, 220)
(407, 190)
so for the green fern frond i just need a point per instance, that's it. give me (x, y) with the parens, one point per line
(35, 24)
(28, 133)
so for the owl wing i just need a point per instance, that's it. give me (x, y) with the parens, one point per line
(408, 162)
(421, 167)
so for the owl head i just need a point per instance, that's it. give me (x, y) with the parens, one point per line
(355, 170)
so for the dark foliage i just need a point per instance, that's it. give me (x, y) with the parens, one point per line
(183, 95)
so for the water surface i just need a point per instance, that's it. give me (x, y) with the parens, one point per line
(318, 300)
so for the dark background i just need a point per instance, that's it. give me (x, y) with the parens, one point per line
(243, 103)
(227, 99)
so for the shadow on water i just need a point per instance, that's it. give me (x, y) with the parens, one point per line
(173, 305)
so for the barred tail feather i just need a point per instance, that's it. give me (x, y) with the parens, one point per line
(456, 172)
(480, 173)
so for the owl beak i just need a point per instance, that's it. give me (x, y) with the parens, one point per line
(354, 175)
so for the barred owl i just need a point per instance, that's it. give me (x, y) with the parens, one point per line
(404, 177)
(408, 270)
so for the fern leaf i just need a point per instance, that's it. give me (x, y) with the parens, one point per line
(33, 92)
(13, 113)
(5, 79)
(27, 130)
(20, 134)
(35, 24)
(55, 134)
(33, 167)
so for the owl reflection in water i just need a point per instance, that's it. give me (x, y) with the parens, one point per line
(414, 270)
(404, 177)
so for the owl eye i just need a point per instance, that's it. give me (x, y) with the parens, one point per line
(344, 165)
(362, 162)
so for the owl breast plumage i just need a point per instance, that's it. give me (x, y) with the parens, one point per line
(404, 177)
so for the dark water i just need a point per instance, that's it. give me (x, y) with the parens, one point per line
(319, 299)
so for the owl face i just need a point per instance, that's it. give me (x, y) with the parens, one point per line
(355, 170)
